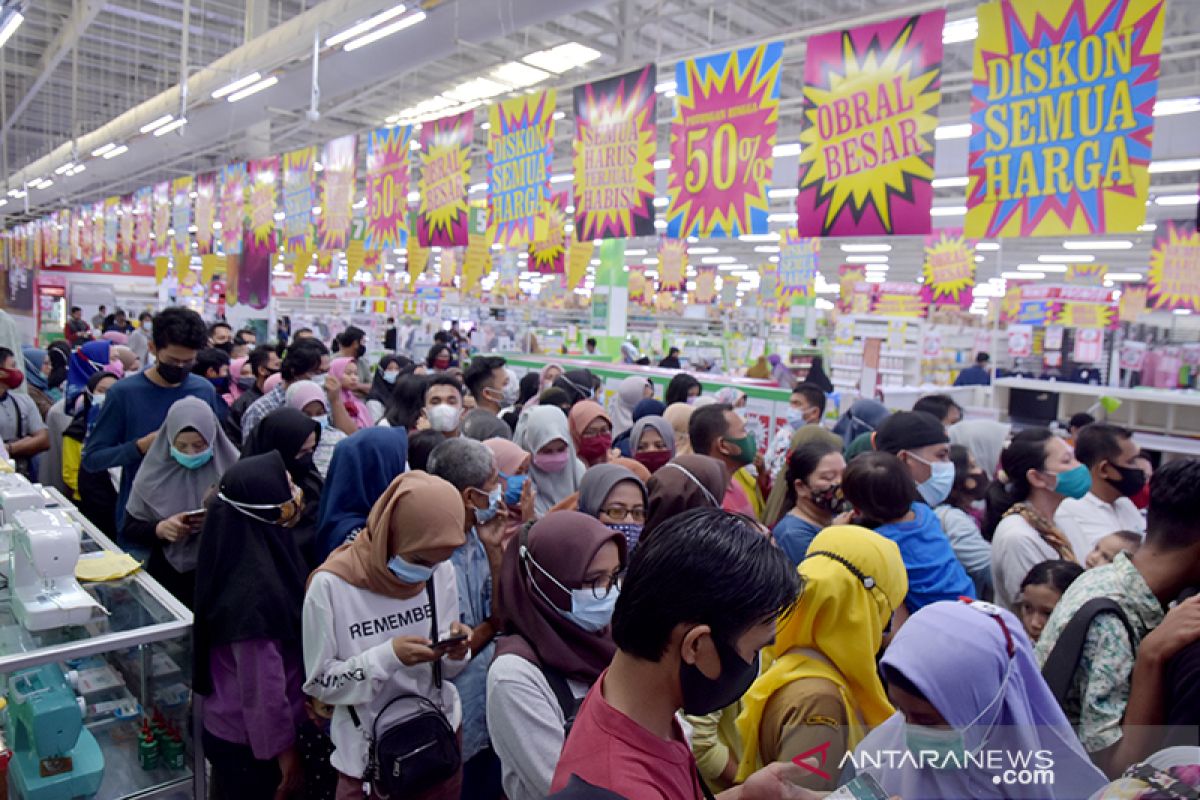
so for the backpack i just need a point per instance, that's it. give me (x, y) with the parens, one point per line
(1063, 661)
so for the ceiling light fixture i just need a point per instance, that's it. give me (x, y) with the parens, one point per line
(1067, 258)
(960, 30)
(171, 126)
(10, 26)
(759, 237)
(476, 89)
(866, 248)
(116, 151)
(1020, 276)
(158, 123)
(386, 30)
(1057, 268)
(1175, 165)
(562, 58)
(857, 259)
(947, 211)
(1177, 200)
(1179, 105)
(1125, 276)
(518, 75)
(1098, 244)
(99, 151)
(368, 24)
(947, 183)
(240, 83)
(785, 150)
(988, 246)
(960, 131)
(265, 83)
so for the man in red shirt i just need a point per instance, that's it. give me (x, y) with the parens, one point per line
(700, 600)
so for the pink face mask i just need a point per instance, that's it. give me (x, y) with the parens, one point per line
(552, 462)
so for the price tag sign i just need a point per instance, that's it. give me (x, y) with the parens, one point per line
(1020, 341)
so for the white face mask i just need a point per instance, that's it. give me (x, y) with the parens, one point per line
(443, 417)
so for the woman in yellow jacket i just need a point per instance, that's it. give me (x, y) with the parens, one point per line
(822, 691)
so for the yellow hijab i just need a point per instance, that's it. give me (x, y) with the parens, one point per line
(842, 619)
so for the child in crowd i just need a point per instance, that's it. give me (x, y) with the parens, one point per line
(1041, 590)
(1107, 548)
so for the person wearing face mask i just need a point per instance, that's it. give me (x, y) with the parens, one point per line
(716, 430)
(630, 392)
(248, 663)
(21, 425)
(166, 505)
(439, 358)
(241, 374)
(616, 497)
(1005, 707)
(559, 585)
(823, 685)
(958, 520)
(591, 430)
(372, 616)
(684, 483)
(652, 442)
(1110, 454)
(470, 467)
(805, 407)
(1042, 472)
(214, 366)
(443, 406)
(921, 443)
(379, 397)
(698, 603)
(494, 388)
(310, 399)
(683, 388)
(93, 492)
(554, 469)
(262, 363)
(882, 495)
(814, 495)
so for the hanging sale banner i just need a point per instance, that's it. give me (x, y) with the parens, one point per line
(205, 211)
(637, 285)
(387, 188)
(578, 259)
(299, 197)
(124, 230)
(111, 228)
(337, 192)
(849, 277)
(798, 262)
(706, 285)
(1174, 277)
(181, 214)
(477, 262)
(1087, 274)
(162, 218)
(520, 153)
(898, 299)
(549, 256)
(1084, 315)
(1062, 116)
(143, 224)
(871, 97)
(264, 181)
(445, 169)
(232, 200)
(723, 142)
(614, 156)
(1133, 302)
(98, 233)
(672, 264)
(949, 268)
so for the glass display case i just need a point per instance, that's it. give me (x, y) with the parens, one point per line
(131, 666)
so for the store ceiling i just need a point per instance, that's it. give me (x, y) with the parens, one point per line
(128, 51)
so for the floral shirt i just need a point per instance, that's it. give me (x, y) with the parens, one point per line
(1100, 691)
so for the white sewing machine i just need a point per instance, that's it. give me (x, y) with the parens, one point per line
(16, 494)
(45, 549)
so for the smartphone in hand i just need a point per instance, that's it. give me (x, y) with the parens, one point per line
(445, 645)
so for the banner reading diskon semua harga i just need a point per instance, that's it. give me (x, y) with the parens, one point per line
(1062, 116)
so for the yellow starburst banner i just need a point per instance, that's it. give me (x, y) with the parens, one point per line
(578, 259)
(949, 268)
(866, 159)
(1133, 303)
(614, 156)
(1174, 277)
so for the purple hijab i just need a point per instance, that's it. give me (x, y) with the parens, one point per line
(957, 656)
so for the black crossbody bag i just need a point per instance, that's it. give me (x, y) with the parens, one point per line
(417, 749)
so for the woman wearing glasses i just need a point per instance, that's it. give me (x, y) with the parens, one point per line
(614, 495)
(558, 585)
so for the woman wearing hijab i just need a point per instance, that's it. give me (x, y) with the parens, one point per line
(549, 374)
(554, 469)
(166, 504)
(630, 392)
(816, 375)
(296, 437)
(1005, 706)
(239, 369)
(557, 591)
(579, 384)
(248, 661)
(617, 497)
(37, 368)
(648, 407)
(592, 432)
(688, 482)
(369, 621)
(346, 371)
(759, 371)
(93, 492)
(513, 465)
(528, 389)
(362, 468)
(380, 398)
(678, 415)
(652, 442)
(781, 373)
(822, 686)
(985, 439)
(59, 355)
(310, 399)
(85, 362)
(863, 418)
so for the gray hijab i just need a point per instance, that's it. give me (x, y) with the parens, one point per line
(599, 481)
(536, 429)
(659, 424)
(163, 487)
(985, 439)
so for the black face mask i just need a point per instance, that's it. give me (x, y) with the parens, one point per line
(829, 499)
(245, 383)
(226, 347)
(979, 490)
(171, 373)
(221, 384)
(1131, 481)
(703, 695)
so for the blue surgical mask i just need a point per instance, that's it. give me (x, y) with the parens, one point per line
(407, 572)
(1074, 483)
(322, 420)
(590, 612)
(97, 400)
(631, 530)
(191, 460)
(936, 488)
(495, 501)
(795, 418)
(390, 377)
(514, 485)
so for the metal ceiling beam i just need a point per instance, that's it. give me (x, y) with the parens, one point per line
(64, 41)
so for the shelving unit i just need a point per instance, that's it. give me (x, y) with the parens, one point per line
(899, 357)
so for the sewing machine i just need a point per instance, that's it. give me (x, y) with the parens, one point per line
(45, 549)
(54, 756)
(18, 494)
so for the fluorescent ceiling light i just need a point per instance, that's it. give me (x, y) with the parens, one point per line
(876, 278)
(637, 252)
(789, 217)
(518, 75)
(1098, 244)
(947, 211)
(158, 123)
(866, 248)
(99, 151)
(386, 30)
(10, 27)
(1175, 165)
(1042, 267)
(242, 94)
(767, 248)
(64, 168)
(116, 151)
(960, 30)
(660, 224)
(865, 259)
(759, 237)
(1183, 312)
(1177, 200)
(784, 150)
(661, 202)
(876, 267)
(476, 89)
(1018, 276)
(1180, 105)
(1125, 276)
(366, 25)
(718, 260)
(240, 83)
(171, 126)
(665, 86)
(783, 194)
(699, 251)
(564, 177)
(947, 183)
(961, 131)
(562, 58)
(1147, 228)
(988, 246)
(1067, 258)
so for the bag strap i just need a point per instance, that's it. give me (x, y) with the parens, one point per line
(708, 795)
(1063, 661)
(433, 636)
(562, 693)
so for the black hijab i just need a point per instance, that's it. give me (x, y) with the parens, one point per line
(249, 573)
(816, 375)
(381, 390)
(578, 384)
(285, 430)
(59, 353)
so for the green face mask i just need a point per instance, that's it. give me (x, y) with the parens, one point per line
(946, 747)
(747, 448)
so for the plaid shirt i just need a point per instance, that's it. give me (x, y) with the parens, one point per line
(276, 398)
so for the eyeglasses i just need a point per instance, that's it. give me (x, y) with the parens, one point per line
(600, 587)
(619, 513)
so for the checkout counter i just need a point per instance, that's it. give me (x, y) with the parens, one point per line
(96, 675)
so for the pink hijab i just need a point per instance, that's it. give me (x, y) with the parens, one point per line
(235, 371)
(357, 411)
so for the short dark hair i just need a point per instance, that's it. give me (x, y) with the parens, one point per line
(1174, 498)
(674, 351)
(76, 309)
(937, 404)
(591, 341)
(707, 567)
(555, 398)
(350, 336)
(145, 315)
(813, 395)
(181, 327)
(259, 357)
(803, 462)
(240, 336)
(479, 372)
(299, 331)
(302, 358)
(444, 380)
(420, 446)
(1100, 442)
(707, 426)
(436, 350)
(219, 324)
(982, 358)
(6, 354)
(678, 388)
(879, 487)
(1081, 419)
(210, 358)
(1056, 573)
(960, 457)
(102, 306)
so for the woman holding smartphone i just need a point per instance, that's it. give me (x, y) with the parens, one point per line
(166, 505)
